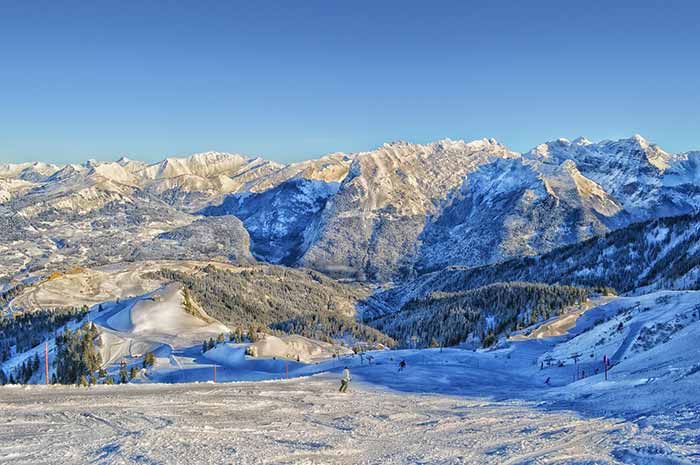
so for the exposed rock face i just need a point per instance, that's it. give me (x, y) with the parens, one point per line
(279, 219)
(516, 207)
(631, 170)
(369, 229)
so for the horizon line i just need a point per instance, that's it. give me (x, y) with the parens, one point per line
(116, 158)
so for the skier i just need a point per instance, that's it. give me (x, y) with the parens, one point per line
(345, 380)
(402, 365)
(548, 380)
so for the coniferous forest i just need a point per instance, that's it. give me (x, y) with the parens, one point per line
(292, 301)
(483, 314)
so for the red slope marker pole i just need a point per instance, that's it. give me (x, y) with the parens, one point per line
(214, 374)
(46, 361)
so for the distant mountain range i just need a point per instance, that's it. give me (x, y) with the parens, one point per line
(384, 215)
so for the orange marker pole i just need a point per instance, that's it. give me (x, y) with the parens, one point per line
(214, 374)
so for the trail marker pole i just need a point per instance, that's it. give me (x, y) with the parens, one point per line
(286, 368)
(214, 374)
(46, 361)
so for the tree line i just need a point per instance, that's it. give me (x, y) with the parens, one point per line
(480, 315)
(26, 330)
(271, 298)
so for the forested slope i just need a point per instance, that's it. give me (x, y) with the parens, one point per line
(479, 315)
(291, 300)
(663, 253)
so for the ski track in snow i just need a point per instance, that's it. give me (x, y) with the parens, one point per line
(302, 421)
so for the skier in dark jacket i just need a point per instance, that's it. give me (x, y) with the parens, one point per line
(402, 365)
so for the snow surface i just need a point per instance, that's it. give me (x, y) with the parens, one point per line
(304, 421)
(448, 405)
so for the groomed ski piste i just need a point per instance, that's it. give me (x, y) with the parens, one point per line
(540, 397)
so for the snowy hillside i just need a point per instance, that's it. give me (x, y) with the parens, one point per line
(656, 254)
(171, 307)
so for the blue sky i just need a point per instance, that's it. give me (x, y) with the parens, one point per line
(291, 80)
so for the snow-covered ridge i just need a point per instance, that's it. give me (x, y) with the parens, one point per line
(213, 163)
(378, 214)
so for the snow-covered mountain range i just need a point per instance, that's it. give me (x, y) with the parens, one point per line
(555, 268)
(381, 215)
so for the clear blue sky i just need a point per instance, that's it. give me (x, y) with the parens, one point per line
(291, 80)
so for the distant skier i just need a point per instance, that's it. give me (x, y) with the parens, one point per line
(402, 365)
(345, 380)
(549, 378)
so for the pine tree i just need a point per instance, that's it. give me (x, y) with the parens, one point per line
(149, 359)
(83, 381)
(252, 337)
(123, 376)
(133, 372)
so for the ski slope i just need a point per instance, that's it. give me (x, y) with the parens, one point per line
(303, 421)
(645, 412)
